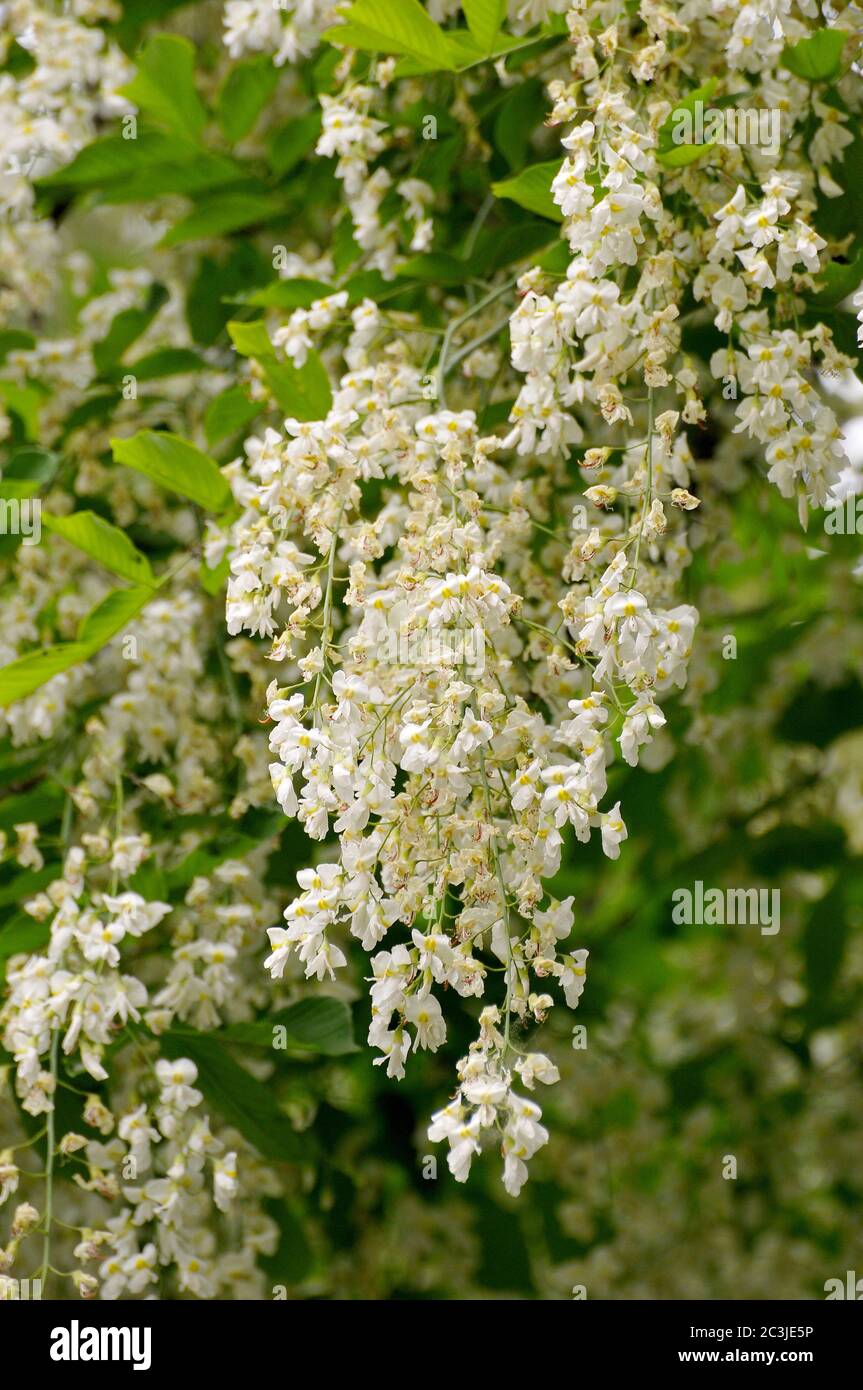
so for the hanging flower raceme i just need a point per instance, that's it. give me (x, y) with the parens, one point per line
(463, 673)
(446, 359)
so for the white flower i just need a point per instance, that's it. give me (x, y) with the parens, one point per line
(613, 831)
(426, 1016)
(536, 1067)
(225, 1185)
(176, 1080)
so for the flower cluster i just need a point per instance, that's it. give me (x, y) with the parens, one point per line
(391, 410)
(451, 769)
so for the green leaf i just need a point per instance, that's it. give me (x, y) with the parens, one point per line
(484, 18)
(242, 269)
(843, 327)
(702, 94)
(433, 268)
(393, 26)
(229, 413)
(679, 156)
(294, 1257)
(251, 339)
(13, 340)
(105, 542)
(42, 805)
(240, 1098)
(113, 157)
(27, 884)
(676, 155)
(21, 677)
(32, 465)
(25, 402)
(128, 325)
(838, 218)
(244, 95)
(175, 464)
(110, 615)
(17, 490)
(148, 166)
(837, 281)
(224, 212)
(464, 52)
(17, 61)
(19, 765)
(366, 284)
(22, 934)
(213, 581)
(149, 880)
(825, 938)
(209, 175)
(164, 85)
(163, 362)
(287, 294)
(292, 143)
(531, 189)
(818, 59)
(303, 393)
(345, 250)
(518, 116)
(508, 245)
(320, 1025)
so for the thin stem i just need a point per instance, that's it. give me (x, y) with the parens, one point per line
(477, 342)
(444, 363)
(328, 599)
(49, 1167)
(477, 225)
(648, 487)
(504, 904)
